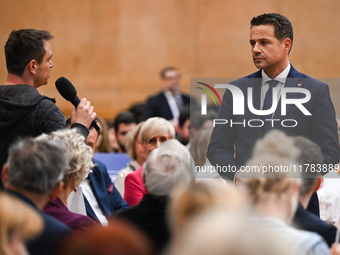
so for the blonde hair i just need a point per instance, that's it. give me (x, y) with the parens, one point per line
(130, 141)
(105, 144)
(156, 126)
(15, 216)
(78, 154)
(276, 153)
(189, 201)
(199, 146)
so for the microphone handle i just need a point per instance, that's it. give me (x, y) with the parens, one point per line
(75, 101)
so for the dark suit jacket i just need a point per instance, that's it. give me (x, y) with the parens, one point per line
(150, 216)
(76, 221)
(320, 127)
(306, 220)
(157, 106)
(53, 233)
(108, 197)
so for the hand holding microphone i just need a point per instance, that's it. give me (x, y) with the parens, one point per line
(83, 113)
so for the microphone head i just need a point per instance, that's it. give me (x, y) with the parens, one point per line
(66, 88)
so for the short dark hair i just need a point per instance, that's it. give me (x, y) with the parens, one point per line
(183, 115)
(22, 46)
(124, 117)
(282, 27)
(164, 70)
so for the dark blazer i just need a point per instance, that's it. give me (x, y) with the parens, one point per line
(150, 216)
(157, 106)
(76, 221)
(320, 127)
(306, 220)
(53, 233)
(108, 197)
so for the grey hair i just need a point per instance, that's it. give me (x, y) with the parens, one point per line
(166, 167)
(310, 155)
(78, 154)
(36, 166)
(156, 126)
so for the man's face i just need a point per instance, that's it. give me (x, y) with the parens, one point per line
(123, 129)
(92, 138)
(43, 69)
(268, 52)
(171, 81)
(184, 132)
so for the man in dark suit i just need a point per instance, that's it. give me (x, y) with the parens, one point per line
(101, 197)
(168, 103)
(271, 39)
(33, 173)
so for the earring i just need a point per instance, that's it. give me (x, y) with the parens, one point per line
(75, 189)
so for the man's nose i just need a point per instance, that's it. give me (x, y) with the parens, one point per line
(256, 48)
(51, 64)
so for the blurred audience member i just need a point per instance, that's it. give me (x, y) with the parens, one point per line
(112, 137)
(118, 238)
(18, 223)
(123, 124)
(199, 121)
(223, 232)
(192, 200)
(103, 142)
(138, 110)
(33, 173)
(274, 194)
(183, 126)
(198, 149)
(167, 167)
(136, 152)
(329, 193)
(102, 199)
(153, 133)
(310, 157)
(168, 103)
(79, 157)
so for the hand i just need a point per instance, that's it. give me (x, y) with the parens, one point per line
(83, 114)
(335, 249)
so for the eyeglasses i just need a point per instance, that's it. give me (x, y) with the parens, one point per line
(152, 142)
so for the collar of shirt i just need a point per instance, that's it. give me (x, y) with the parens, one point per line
(282, 77)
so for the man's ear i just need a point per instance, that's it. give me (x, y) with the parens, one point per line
(287, 43)
(32, 66)
(318, 184)
(55, 192)
(4, 174)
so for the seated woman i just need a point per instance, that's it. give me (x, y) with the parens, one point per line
(18, 223)
(273, 191)
(136, 152)
(79, 156)
(153, 133)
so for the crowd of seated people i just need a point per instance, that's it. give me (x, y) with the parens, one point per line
(167, 200)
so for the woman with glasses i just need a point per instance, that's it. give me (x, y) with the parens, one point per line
(153, 133)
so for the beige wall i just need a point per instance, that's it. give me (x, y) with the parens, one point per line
(112, 50)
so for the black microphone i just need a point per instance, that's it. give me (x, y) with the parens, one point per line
(69, 92)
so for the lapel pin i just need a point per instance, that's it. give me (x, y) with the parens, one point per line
(299, 84)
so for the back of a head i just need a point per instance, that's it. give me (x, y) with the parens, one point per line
(199, 145)
(156, 126)
(310, 157)
(23, 46)
(124, 117)
(36, 166)
(118, 238)
(197, 120)
(191, 200)
(271, 169)
(77, 152)
(221, 232)
(167, 167)
(17, 218)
